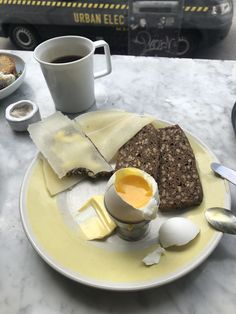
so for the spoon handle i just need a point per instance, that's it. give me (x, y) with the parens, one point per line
(224, 227)
(224, 172)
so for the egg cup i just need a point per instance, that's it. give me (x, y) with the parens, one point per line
(132, 219)
(132, 231)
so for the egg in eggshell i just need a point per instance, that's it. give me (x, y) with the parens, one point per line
(131, 196)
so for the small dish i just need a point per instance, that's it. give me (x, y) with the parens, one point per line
(22, 113)
(20, 68)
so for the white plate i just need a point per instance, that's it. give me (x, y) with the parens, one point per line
(20, 67)
(115, 264)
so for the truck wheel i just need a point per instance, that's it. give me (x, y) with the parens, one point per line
(187, 44)
(24, 37)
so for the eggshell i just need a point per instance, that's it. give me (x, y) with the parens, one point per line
(153, 257)
(123, 211)
(177, 231)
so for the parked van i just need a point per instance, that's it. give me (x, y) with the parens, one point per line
(141, 27)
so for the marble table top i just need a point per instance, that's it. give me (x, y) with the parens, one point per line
(198, 95)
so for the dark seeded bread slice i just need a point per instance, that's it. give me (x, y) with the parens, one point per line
(178, 180)
(142, 151)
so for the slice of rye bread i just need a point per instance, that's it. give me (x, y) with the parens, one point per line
(141, 151)
(178, 179)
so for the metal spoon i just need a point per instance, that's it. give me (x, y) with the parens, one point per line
(221, 219)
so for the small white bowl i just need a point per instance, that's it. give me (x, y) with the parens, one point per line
(21, 123)
(20, 68)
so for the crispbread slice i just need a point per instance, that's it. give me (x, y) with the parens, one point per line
(178, 179)
(141, 152)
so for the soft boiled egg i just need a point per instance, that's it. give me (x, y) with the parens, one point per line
(177, 231)
(131, 196)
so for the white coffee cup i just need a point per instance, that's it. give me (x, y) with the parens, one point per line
(71, 84)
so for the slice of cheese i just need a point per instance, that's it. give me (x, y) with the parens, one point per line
(53, 183)
(95, 120)
(65, 147)
(93, 219)
(112, 137)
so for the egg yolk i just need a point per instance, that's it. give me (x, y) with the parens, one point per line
(134, 190)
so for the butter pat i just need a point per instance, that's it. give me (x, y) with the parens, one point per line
(93, 219)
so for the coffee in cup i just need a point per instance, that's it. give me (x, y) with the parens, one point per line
(67, 64)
